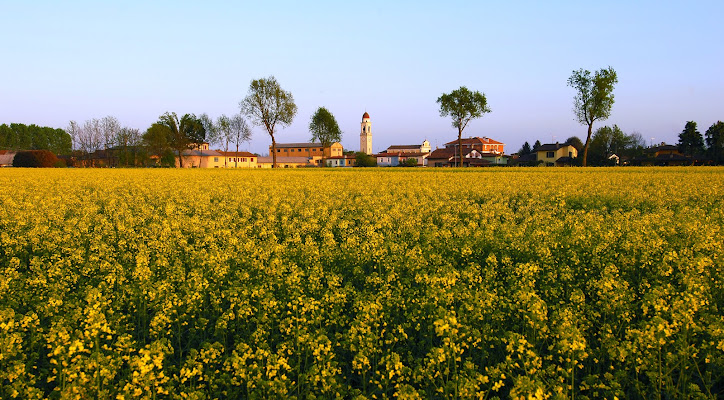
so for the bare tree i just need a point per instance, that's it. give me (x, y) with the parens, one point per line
(223, 126)
(240, 132)
(109, 132)
(74, 131)
(90, 138)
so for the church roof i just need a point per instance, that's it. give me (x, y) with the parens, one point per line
(365, 115)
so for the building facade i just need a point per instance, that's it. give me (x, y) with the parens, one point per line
(556, 153)
(482, 144)
(315, 151)
(410, 148)
(241, 159)
(286, 162)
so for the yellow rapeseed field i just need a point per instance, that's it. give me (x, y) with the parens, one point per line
(367, 284)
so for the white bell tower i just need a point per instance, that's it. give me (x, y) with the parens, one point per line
(365, 136)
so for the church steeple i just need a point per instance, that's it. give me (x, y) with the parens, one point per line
(365, 136)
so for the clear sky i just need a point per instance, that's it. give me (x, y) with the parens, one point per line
(135, 60)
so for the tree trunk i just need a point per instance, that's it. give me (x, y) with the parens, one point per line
(588, 140)
(180, 159)
(274, 152)
(460, 146)
(236, 156)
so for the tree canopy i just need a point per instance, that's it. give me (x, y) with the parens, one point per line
(179, 134)
(576, 142)
(610, 140)
(691, 142)
(715, 142)
(363, 159)
(462, 105)
(268, 105)
(324, 128)
(33, 137)
(593, 99)
(525, 149)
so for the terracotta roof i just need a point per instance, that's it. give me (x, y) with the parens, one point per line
(404, 146)
(442, 153)
(365, 115)
(475, 140)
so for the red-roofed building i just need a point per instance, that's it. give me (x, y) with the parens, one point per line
(483, 144)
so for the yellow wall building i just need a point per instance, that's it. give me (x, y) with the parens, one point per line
(556, 154)
(315, 151)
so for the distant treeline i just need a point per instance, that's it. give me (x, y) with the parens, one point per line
(33, 137)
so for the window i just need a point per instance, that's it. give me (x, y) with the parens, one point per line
(279, 150)
(300, 150)
(550, 154)
(292, 150)
(570, 154)
(216, 159)
(285, 150)
(252, 159)
(314, 150)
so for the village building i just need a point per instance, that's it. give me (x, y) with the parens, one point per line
(315, 151)
(410, 148)
(665, 155)
(6, 158)
(346, 160)
(449, 157)
(241, 159)
(399, 154)
(482, 144)
(286, 162)
(558, 154)
(201, 157)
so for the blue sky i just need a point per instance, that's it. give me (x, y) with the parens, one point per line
(135, 60)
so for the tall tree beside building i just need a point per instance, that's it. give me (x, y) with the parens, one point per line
(268, 105)
(536, 145)
(593, 100)
(324, 128)
(128, 144)
(156, 139)
(462, 105)
(607, 141)
(180, 133)
(525, 149)
(715, 142)
(691, 142)
(576, 142)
